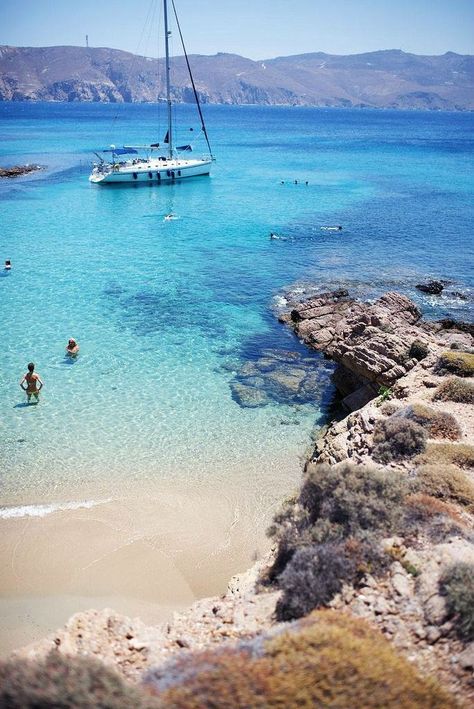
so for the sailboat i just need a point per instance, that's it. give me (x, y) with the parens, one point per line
(155, 163)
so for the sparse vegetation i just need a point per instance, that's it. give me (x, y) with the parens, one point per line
(456, 362)
(461, 454)
(390, 407)
(385, 393)
(454, 389)
(331, 532)
(437, 424)
(428, 506)
(446, 482)
(418, 350)
(457, 584)
(312, 578)
(66, 682)
(327, 660)
(350, 501)
(397, 438)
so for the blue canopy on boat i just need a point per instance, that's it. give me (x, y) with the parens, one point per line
(120, 151)
(183, 147)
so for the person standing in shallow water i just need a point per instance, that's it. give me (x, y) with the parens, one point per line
(32, 380)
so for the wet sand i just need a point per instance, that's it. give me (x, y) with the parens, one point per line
(146, 554)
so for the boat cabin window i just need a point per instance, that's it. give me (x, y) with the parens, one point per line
(135, 175)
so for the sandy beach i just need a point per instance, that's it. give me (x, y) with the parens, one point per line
(153, 550)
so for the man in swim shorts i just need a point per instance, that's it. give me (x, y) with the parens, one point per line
(32, 380)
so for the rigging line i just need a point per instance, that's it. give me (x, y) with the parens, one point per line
(192, 79)
(149, 16)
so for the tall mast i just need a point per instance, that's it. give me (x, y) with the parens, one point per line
(168, 85)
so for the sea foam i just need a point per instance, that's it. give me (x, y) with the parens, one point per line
(43, 510)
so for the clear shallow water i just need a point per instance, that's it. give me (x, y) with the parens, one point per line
(167, 312)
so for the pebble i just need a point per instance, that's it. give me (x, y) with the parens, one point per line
(466, 658)
(182, 642)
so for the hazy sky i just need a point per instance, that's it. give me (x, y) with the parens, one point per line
(258, 29)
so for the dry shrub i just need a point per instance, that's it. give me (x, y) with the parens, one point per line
(457, 584)
(455, 362)
(446, 482)
(454, 389)
(397, 438)
(351, 500)
(327, 660)
(316, 573)
(341, 509)
(312, 578)
(66, 682)
(445, 426)
(427, 506)
(437, 424)
(418, 350)
(461, 454)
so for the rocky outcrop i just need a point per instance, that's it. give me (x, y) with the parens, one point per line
(374, 344)
(18, 170)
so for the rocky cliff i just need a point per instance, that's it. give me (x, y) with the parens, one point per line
(384, 79)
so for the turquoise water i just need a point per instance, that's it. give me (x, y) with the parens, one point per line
(167, 312)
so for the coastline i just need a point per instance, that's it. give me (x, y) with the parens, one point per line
(147, 550)
(408, 609)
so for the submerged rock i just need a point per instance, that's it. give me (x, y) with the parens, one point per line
(248, 396)
(281, 376)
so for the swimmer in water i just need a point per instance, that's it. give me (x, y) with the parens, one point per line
(72, 348)
(31, 380)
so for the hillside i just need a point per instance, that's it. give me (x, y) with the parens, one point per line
(383, 79)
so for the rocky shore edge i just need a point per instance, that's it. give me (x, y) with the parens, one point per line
(18, 170)
(393, 367)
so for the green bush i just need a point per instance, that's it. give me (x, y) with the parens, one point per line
(67, 683)
(454, 389)
(397, 438)
(418, 350)
(455, 362)
(328, 660)
(457, 584)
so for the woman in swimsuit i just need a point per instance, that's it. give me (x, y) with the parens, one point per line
(32, 380)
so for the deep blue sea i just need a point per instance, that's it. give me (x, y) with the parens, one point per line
(167, 312)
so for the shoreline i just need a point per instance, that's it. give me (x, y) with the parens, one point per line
(377, 380)
(147, 552)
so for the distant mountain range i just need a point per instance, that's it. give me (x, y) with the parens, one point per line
(383, 79)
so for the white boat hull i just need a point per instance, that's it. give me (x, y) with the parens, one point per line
(151, 171)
